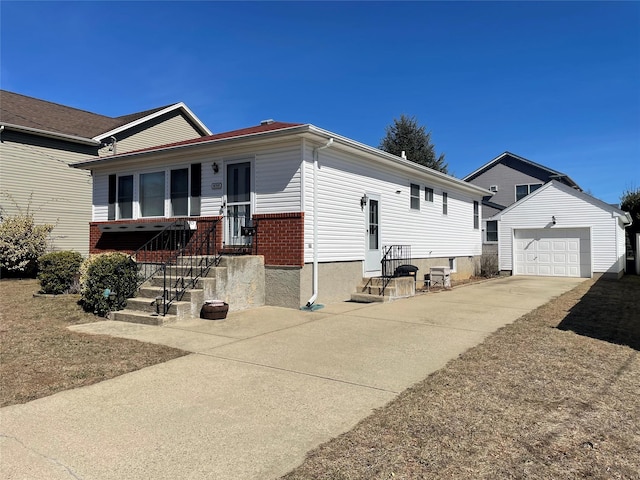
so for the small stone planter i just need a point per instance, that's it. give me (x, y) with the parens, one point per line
(214, 310)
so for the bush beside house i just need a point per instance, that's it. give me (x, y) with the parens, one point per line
(59, 272)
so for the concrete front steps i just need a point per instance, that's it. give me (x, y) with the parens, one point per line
(370, 289)
(239, 281)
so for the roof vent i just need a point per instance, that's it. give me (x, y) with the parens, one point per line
(493, 188)
(267, 122)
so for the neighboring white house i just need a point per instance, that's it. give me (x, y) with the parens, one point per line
(315, 196)
(560, 231)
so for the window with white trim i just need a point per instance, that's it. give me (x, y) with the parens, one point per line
(164, 193)
(525, 189)
(492, 231)
(415, 196)
(428, 194)
(445, 203)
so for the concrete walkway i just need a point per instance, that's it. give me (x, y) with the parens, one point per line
(261, 389)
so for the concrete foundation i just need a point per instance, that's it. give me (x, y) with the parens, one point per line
(239, 281)
(282, 286)
(336, 281)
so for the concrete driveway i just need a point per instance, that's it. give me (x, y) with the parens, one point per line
(261, 388)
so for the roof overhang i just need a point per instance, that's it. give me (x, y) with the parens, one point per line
(49, 134)
(307, 131)
(177, 106)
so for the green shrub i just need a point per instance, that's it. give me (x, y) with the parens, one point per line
(59, 272)
(21, 243)
(113, 271)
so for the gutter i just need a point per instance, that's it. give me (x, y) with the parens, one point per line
(314, 295)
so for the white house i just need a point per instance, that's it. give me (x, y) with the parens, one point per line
(316, 199)
(560, 231)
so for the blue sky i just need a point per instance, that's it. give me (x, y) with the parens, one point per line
(557, 83)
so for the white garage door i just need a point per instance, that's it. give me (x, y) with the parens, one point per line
(561, 252)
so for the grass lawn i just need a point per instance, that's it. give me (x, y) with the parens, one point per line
(556, 395)
(39, 356)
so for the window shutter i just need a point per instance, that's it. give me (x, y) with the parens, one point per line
(111, 214)
(196, 188)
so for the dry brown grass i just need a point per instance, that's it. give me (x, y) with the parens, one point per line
(39, 356)
(532, 402)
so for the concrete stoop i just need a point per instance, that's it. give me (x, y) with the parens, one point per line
(370, 289)
(239, 281)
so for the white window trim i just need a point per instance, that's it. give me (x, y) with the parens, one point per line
(136, 210)
(486, 231)
(427, 190)
(528, 185)
(411, 196)
(445, 204)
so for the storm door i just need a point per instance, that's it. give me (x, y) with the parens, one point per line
(238, 210)
(372, 238)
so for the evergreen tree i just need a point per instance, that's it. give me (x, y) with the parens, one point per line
(406, 135)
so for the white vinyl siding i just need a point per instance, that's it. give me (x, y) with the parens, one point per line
(571, 210)
(278, 180)
(344, 179)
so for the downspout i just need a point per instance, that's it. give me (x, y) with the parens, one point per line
(314, 295)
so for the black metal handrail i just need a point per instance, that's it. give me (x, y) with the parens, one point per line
(182, 255)
(394, 256)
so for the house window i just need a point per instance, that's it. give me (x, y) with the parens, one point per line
(180, 192)
(452, 264)
(428, 194)
(152, 194)
(415, 196)
(492, 231)
(445, 203)
(125, 196)
(525, 189)
(476, 215)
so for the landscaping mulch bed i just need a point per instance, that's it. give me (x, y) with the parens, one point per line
(556, 395)
(39, 356)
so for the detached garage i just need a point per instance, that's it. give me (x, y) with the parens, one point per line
(560, 231)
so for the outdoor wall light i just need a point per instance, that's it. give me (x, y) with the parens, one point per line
(215, 167)
(553, 219)
(363, 201)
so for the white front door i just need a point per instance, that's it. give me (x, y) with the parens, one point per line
(372, 255)
(238, 210)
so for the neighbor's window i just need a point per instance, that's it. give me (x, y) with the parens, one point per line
(180, 192)
(445, 203)
(415, 196)
(125, 196)
(525, 189)
(152, 194)
(428, 194)
(492, 231)
(476, 215)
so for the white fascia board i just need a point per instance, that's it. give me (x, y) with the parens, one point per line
(389, 159)
(176, 106)
(172, 150)
(49, 134)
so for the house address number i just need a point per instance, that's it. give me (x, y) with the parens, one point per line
(216, 186)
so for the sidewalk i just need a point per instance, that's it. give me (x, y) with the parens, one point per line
(262, 388)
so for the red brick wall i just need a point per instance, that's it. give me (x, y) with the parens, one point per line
(281, 238)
